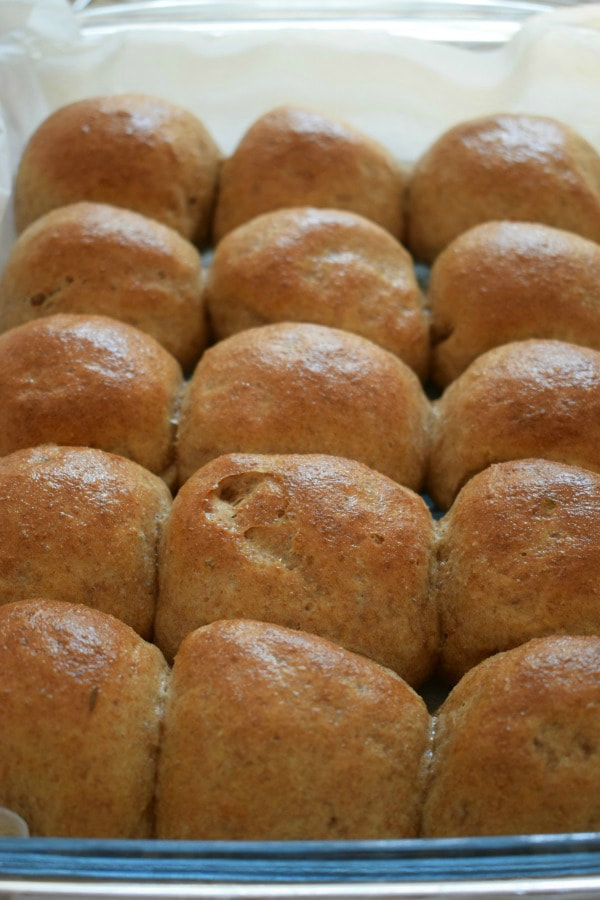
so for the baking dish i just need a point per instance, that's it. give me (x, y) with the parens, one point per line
(250, 37)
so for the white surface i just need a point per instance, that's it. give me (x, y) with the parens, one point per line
(400, 90)
(12, 825)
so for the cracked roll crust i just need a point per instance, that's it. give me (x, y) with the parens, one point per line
(89, 381)
(508, 281)
(129, 150)
(97, 259)
(309, 542)
(326, 266)
(521, 401)
(82, 702)
(518, 557)
(272, 734)
(298, 157)
(517, 744)
(519, 167)
(300, 388)
(82, 525)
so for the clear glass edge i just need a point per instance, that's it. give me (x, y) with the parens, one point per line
(239, 10)
(415, 861)
(474, 23)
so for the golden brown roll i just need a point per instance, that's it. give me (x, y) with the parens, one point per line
(130, 150)
(298, 388)
(518, 557)
(317, 543)
(273, 734)
(510, 166)
(82, 702)
(517, 744)
(507, 281)
(89, 381)
(94, 258)
(298, 157)
(82, 525)
(319, 265)
(523, 400)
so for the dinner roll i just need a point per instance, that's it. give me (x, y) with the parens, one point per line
(298, 157)
(517, 744)
(82, 698)
(522, 400)
(273, 734)
(89, 381)
(81, 525)
(129, 150)
(509, 166)
(319, 265)
(311, 542)
(508, 281)
(300, 388)
(518, 557)
(93, 258)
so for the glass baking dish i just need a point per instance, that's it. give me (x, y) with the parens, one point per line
(538, 866)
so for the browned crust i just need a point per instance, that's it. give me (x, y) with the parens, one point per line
(517, 744)
(82, 525)
(509, 166)
(89, 381)
(298, 157)
(82, 699)
(128, 150)
(523, 400)
(97, 259)
(316, 543)
(300, 388)
(278, 734)
(507, 281)
(327, 266)
(518, 557)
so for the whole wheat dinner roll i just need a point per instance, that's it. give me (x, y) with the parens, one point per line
(299, 157)
(517, 744)
(130, 150)
(317, 543)
(273, 734)
(94, 258)
(319, 265)
(518, 557)
(81, 525)
(300, 388)
(82, 701)
(510, 166)
(89, 381)
(522, 400)
(508, 281)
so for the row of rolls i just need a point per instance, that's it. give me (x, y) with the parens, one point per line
(87, 380)
(307, 216)
(498, 282)
(314, 543)
(150, 155)
(260, 732)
